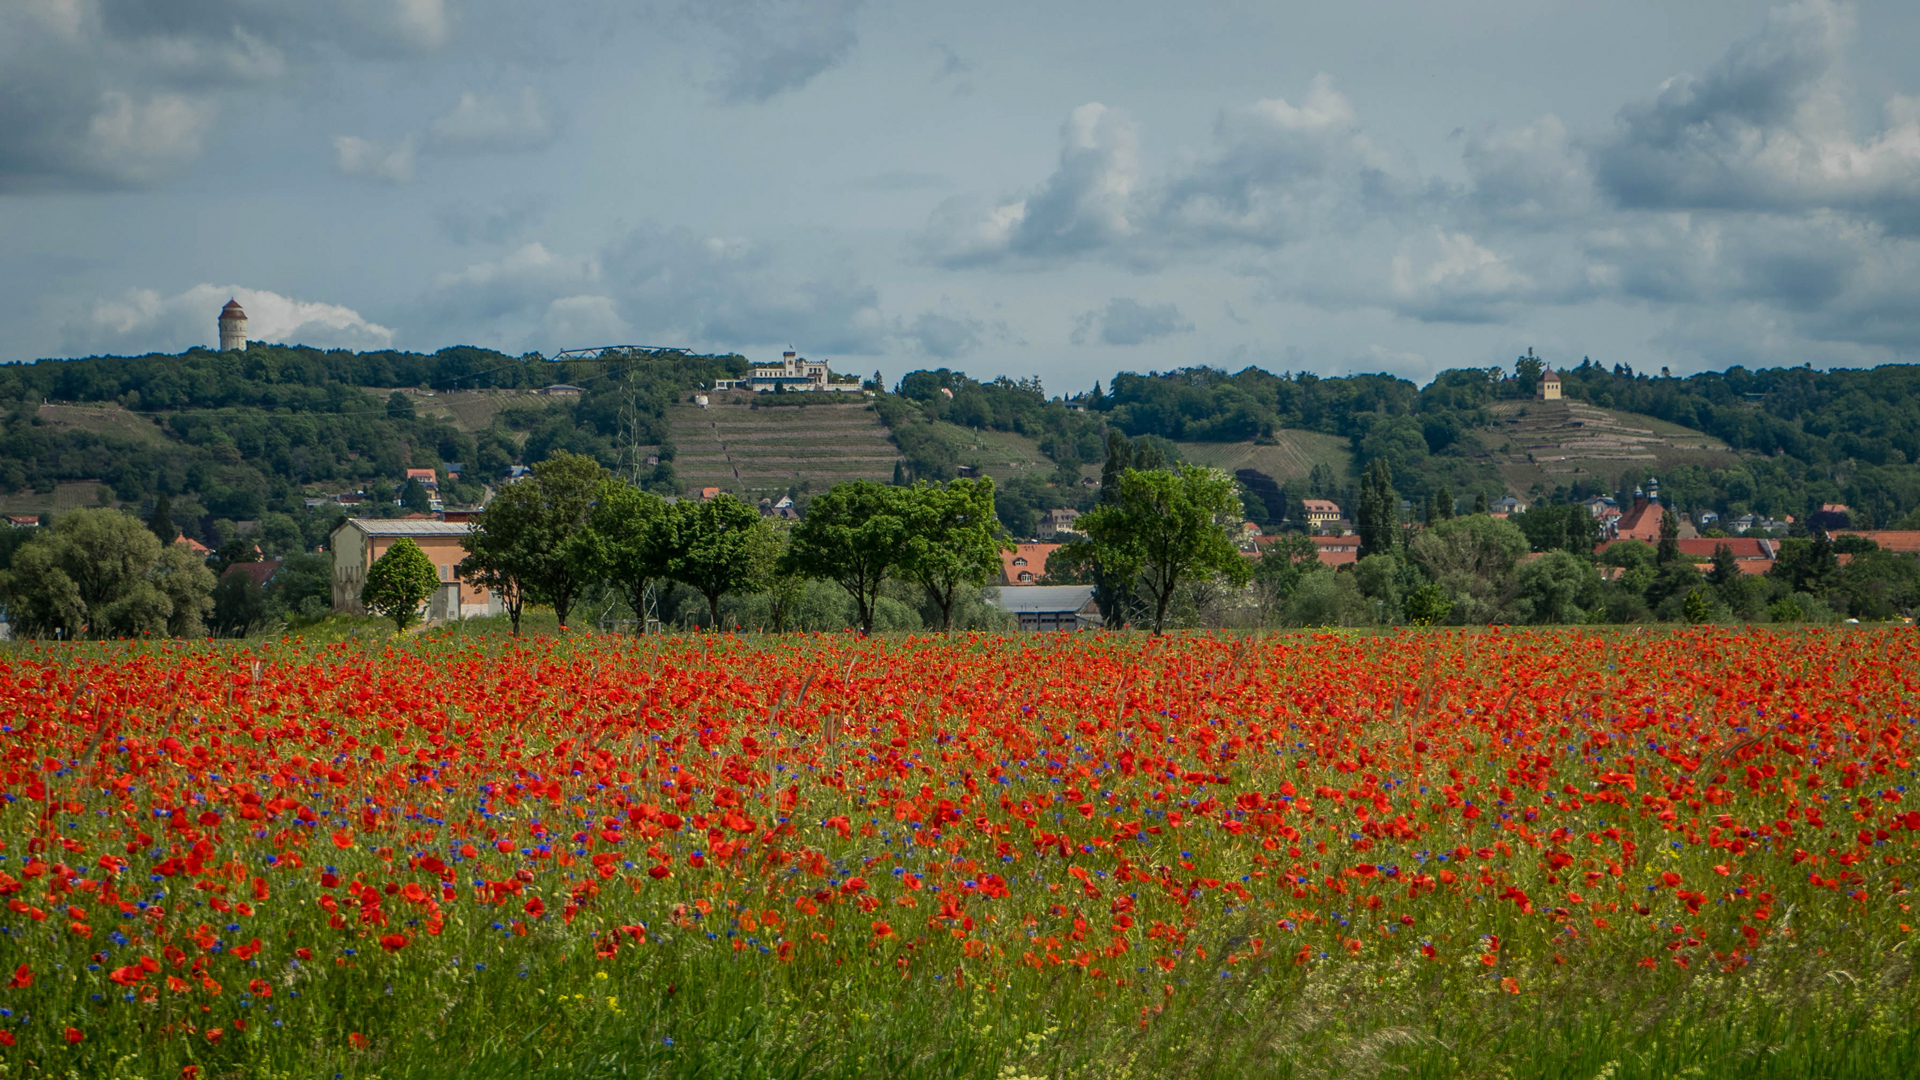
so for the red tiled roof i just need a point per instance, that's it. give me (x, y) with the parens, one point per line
(233, 310)
(1744, 548)
(1907, 540)
(258, 571)
(1028, 559)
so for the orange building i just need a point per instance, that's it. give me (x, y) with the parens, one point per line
(359, 541)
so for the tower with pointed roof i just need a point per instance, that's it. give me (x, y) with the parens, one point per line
(1549, 385)
(233, 327)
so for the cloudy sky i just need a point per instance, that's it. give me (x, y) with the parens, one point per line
(1064, 189)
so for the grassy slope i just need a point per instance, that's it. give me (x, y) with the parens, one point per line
(1563, 442)
(762, 451)
(999, 454)
(1293, 454)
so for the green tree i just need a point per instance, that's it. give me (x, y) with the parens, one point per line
(302, 589)
(520, 547)
(1697, 609)
(1726, 568)
(399, 406)
(1807, 564)
(1428, 605)
(239, 605)
(183, 578)
(413, 497)
(103, 574)
(1166, 527)
(770, 575)
(626, 543)
(399, 582)
(1442, 504)
(1282, 568)
(712, 548)
(952, 541)
(1113, 587)
(1669, 550)
(1558, 587)
(854, 535)
(1473, 559)
(1377, 517)
(160, 522)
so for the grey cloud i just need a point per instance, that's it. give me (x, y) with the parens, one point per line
(768, 47)
(668, 287)
(1125, 321)
(1767, 128)
(1529, 177)
(944, 337)
(494, 223)
(1280, 171)
(1277, 172)
(1082, 207)
(119, 94)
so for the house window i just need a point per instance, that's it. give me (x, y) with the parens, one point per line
(446, 572)
(1019, 561)
(1026, 575)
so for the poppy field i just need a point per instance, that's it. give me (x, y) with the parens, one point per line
(1462, 853)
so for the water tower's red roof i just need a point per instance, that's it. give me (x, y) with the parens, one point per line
(233, 310)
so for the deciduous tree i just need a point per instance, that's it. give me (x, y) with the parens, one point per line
(853, 535)
(952, 540)
(520, 546)
(1166, 527)
(712, 548)
(398, 582)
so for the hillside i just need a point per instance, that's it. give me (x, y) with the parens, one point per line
(1538, 445)
(1291, 456)
(737, 444)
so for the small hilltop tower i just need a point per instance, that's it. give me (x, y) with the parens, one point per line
(233, 327)
(1549, 385)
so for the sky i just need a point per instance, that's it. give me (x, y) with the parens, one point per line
(1061, 190)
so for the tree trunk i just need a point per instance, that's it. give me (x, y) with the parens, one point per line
(713, 609)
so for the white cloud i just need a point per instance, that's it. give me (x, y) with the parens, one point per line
(1450, 277)
(143, 321)
(486, 123)
(355, 156)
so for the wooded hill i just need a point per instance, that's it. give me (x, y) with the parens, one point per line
(235, 436)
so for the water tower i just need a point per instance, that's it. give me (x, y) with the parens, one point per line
(233, 327)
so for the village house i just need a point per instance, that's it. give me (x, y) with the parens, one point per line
(1026, 564)
(1319, 512)
(1337, 551)
(360, 541)
(1056, 521)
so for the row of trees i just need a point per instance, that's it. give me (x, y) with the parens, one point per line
(572, 527)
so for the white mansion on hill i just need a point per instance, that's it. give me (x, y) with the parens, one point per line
(792, 373)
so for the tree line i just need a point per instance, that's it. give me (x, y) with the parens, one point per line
(572, 527)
